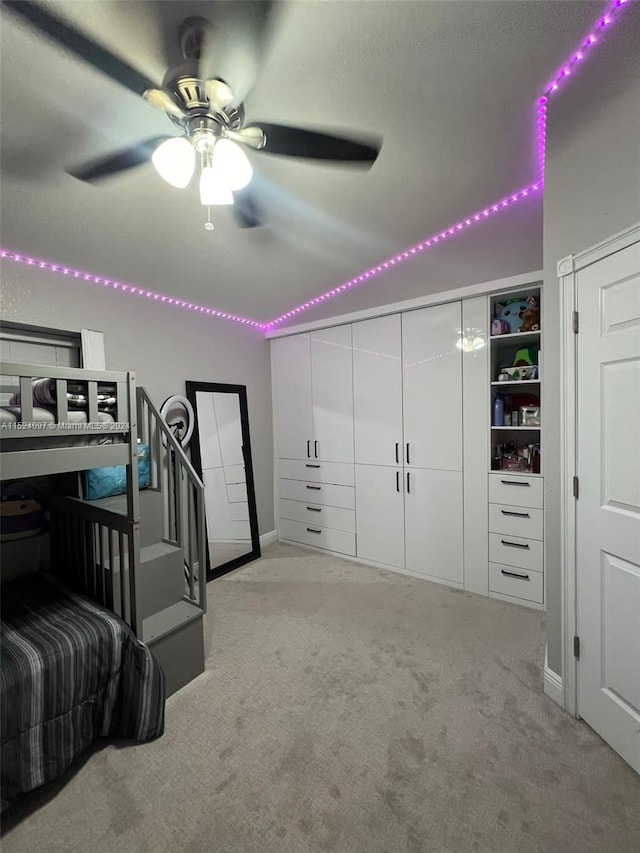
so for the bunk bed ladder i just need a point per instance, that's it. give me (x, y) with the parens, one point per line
(182, 490)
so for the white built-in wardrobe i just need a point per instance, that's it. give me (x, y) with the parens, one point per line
(382, 441)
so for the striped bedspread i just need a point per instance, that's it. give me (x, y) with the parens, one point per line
(70, 672)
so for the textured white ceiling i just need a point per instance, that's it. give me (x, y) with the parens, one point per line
(450, 86)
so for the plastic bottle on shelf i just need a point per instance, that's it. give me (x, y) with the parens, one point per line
(498, 411)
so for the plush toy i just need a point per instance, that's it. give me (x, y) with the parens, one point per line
(530, 315)
(21, 513)
(511, 314)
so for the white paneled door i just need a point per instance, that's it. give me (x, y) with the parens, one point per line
(433, 523)
(332, 394)
(380, 514)
(432, 387)
(377, 391)
(291, 362)
(608, 508)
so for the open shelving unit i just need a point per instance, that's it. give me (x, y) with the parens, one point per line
(516, 483)
(513, 442)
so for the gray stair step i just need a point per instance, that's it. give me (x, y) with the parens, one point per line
(158, 549)
(160, 578)
(180, 650)
(151, 513)
(168, 620)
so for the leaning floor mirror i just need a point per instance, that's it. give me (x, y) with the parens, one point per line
(221, 453)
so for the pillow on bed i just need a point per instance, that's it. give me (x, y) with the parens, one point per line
(105, 482)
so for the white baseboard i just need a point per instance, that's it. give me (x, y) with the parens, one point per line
(268, 538)
(552, 683)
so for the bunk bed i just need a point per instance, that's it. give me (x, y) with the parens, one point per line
(72, 668)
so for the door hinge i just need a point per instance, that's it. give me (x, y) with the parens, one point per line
(576, 647)
(575, 322)
(576, 487)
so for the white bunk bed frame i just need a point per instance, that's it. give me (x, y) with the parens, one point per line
(92, 548)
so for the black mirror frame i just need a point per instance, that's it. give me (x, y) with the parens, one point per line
(196, 460)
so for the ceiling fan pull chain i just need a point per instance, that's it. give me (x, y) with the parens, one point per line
(208, 224)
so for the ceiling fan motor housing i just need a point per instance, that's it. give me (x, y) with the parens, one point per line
(192, 35)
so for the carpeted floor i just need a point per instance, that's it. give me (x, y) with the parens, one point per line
(351, 710)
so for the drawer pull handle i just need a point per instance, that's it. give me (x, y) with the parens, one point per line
(397, 481)
(308, 449)
(313, 530)
(511, 574)
(314, 509)
(515, 544)
(515, 483)
(315, 488)
(397, 452)
(516, 514)
(309, 465)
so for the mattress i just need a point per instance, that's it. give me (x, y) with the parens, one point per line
(71, 672)
(11, 415)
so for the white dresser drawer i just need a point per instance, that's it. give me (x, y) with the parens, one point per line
(320, 537)
(515, 490)
(516, 521)
(318, 493)
(314, 515)
(516, 551)
(340, 473)
(519, 583)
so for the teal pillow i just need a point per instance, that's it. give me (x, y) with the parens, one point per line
(105, 482)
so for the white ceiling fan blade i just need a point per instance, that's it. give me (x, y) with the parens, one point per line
(218, 93)
(254, 137)
(163, 101)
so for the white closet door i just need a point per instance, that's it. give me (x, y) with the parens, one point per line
(291, 363)
(377, 390)
(608, 511)
(332, 383)
(432, 394)
(433, 523)
(380, 514)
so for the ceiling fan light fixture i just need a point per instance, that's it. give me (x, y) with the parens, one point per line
(230, 161)
(213, 191)
(175, 161)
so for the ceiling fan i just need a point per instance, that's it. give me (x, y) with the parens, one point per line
(207, 113)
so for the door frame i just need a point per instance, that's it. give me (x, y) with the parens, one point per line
(568, 268)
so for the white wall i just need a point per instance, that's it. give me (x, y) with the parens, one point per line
(592, 190)
(164, 346)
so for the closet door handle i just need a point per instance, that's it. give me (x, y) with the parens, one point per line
(514, 575)
(408, 483)
(515, 483)
(408, 460)
(315, 449)
(397, 452)
(309, 449)
(314, 488)
(516, 514)
(313, 530)
(397, 481)
(515, 544)
(310, 465)
(314, 509)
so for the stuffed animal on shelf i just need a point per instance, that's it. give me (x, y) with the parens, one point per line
(509, 316)
(530, 315)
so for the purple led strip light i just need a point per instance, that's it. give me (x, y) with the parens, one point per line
(452, 231)
(603, 23)
(125, 288)
(562, 75)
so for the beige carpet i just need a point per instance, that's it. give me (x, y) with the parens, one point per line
(352, 710)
